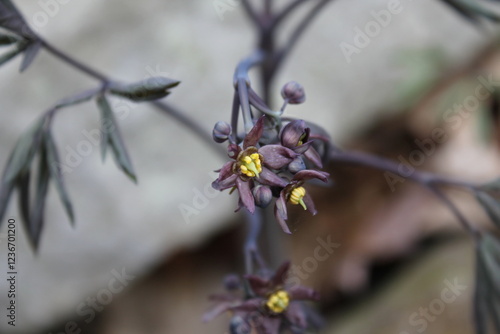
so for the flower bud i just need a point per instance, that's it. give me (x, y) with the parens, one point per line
(297, 165)
(232, 282)
(262, 195)
(293, 92)
(221, 131)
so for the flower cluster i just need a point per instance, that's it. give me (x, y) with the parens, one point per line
(267, 306)
(262, 171)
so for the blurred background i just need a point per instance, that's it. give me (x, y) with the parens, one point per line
(397, 248)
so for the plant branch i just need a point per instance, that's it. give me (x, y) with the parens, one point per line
(250, 11)
(286, 11)
(251, 248)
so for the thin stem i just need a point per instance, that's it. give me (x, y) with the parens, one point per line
(251, 242)
(189, 123)
(268, 7)
(234, 118)
(73, 62)
(250, 11)
(297, 33)
(466, 224)
(286, 11)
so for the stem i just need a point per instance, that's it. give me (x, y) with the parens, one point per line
(286, 11)
(252, 14)
(251, 249)
(73, 62)
(234, 118)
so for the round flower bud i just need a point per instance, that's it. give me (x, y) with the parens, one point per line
(232, 282)
(293, 92)
(221, 131)
(297, 165)
(262, 195)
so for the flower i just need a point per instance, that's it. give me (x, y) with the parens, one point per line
(251, 164)
(296, 194)
(269, 305)
(295, 135)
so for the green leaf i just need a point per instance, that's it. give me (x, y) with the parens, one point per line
(42, 187)
(9, 55)
(24, 151)
(490, 205)
(53, 162)
(79, 98)
(113, 137)
(6, 189)
(29, 54)
(147, 90)
(480, 304)
(8, 39)
(23, 187)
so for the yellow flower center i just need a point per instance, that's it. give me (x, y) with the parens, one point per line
(251, 165)
(278, 301)
(297, 195)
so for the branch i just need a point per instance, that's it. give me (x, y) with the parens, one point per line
(252, 14)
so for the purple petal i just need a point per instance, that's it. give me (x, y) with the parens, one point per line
(281, 214)
(245, 195)
(248, 305)
(303, 148)
(226, 177)
(269, 178)
(253, 137)
(312, 155)
(277, 156)
(281, 274)
(308, 174)
(259, 285)
(267, 325)
(291, 133)
(309, 204)
(216, 311)
(303, 293)
(296, 315)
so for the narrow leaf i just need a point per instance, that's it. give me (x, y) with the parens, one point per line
(490, 205)
(53, 162)
(11, 19)
(147, 90)
(6, 57)
(23, 153)
(115, 139)
(42, 187)
(29, 54)
(23, 187)
(8, 39)
(6, 189)
(78, 98)
(480, 305)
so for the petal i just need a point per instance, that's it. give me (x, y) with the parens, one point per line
(277, 156)
(296, 315)
(269, 178)
(260, 286)
(309, 204)
(312, 155)
(303, 293)
(291, 133)
(216, 311)
(308, 174)
(267, 325)
(303, 148)
(253, 137)
(226, 177)
(245, 195)
(281, 274)
(233, 150)
(248, 305)
(280, 213)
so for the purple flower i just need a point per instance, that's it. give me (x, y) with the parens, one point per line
(251, 164)
(295, 135)
(296, 194)
(270, 306)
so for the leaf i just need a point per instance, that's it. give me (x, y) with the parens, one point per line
(23, 153)
(23, 187)
(462, 10)
(113, 137)
(9, 55)
(12, 20)
(53, 162)
(480, 305)
(42, 187)
(490, 205)
(150, 89)
(6, 189)
(8, 39)
(29, 54)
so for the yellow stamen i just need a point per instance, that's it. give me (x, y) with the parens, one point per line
(251, 165)
(297, 195)
(278, 302)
